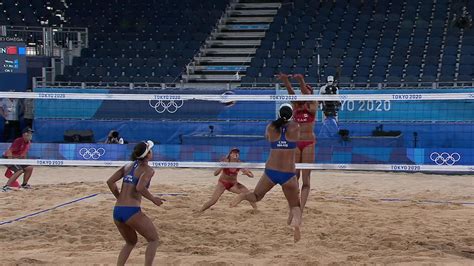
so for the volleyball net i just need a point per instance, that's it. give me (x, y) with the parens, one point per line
(428, 131)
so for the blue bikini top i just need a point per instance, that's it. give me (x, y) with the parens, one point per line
(130, 178)
(283, 143)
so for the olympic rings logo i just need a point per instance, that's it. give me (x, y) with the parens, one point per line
(342, 166)
(91, 153)
(170, 106)
(445, 158)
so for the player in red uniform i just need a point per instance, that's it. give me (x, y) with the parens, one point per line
(19, 150)
(228, 180)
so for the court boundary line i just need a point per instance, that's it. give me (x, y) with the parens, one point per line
(426, 201)
(415, 201)
(47, 210)
(72, 202)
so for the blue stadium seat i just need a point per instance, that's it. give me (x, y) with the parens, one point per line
(302, 62)
(276, 53)
(430, 70)
(349, 61)
(468, 78)
(292, 53)
(466, 70)
(428, 78)
(391, 79)
(360, 79)
(376, 79)
(379, 70)
(306, 53)
(268, 72)
(414, 60)
(365, 61)
(410, 78)
(334, 62)
(271, 62)
(446, 78)
(450, 50)
(449, 60)
(287, 62)
(362, 71)
(398, 60)
(381, 61)
(336, 52)
(395, 71)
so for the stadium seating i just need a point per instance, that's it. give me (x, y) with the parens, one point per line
(367, 41)
(140, 40)
(364, 41)
(32, 12)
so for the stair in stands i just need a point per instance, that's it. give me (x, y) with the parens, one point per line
(226, 55)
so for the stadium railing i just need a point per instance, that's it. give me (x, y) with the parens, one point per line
(40, 82)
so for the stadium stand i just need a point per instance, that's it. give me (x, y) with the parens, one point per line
(32, 13)
(368, 41)
(136, 41)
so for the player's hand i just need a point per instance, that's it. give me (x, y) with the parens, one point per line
(158, 201)
(298, 76)
(282, 76)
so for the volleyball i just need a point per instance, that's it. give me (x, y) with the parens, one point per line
(225, 102)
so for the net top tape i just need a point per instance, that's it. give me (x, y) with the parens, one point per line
(234, 97)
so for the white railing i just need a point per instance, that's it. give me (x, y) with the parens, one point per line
(47, 83)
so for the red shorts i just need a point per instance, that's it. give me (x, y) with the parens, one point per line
(227, 184)
(301, 144)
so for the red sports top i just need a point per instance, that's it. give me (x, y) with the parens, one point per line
(303, 115)
(231, 171)
(19, 147)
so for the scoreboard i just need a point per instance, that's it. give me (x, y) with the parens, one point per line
(13, 70)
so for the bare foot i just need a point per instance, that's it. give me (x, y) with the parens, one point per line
(296, 222)
(254, 206)
(297, 234)
(237, 200)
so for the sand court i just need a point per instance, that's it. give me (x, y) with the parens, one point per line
(346, 220)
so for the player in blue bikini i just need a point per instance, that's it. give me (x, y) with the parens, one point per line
(128, 217)
(280, 167)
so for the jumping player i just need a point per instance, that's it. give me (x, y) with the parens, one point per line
(280, 167)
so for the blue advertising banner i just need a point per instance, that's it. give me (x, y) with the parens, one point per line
(339, 152)
(366, 110)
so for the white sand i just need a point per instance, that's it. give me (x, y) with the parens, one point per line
(335, 230)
